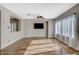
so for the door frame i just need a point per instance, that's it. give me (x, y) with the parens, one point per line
(46, 29)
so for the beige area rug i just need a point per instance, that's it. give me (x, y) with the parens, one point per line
(41, 46)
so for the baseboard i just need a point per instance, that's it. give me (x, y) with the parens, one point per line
(17, 40)
(66, 45)
(35, 37)
(10, 43)
(51, 38)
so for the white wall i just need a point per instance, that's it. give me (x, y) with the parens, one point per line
(8, 37)
(26, 28)
(51, 28)
(30, 32)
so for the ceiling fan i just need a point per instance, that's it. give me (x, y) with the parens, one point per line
(36, 15)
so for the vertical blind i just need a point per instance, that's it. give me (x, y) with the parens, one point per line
(65, 27)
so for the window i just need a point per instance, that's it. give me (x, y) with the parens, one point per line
(58, 27)
(56, 30)
(15, 25)
(65, 27)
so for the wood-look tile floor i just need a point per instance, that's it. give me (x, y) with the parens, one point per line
(37, 46)
(17, 48)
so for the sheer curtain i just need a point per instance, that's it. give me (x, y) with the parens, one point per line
(65, 27)
(73, 26)
(58, 27)
(56, 31)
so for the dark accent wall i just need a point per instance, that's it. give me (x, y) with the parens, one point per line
(0, 29)
(71, 11)
(77, 24)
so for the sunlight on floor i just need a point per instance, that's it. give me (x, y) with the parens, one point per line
(42, 46)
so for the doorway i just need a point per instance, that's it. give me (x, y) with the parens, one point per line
(46, 29)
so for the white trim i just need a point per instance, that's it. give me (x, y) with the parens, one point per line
(9, 43)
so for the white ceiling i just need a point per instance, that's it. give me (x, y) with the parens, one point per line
(48, 10)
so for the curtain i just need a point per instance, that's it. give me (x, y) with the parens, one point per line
(58, 27)
(65, 27)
